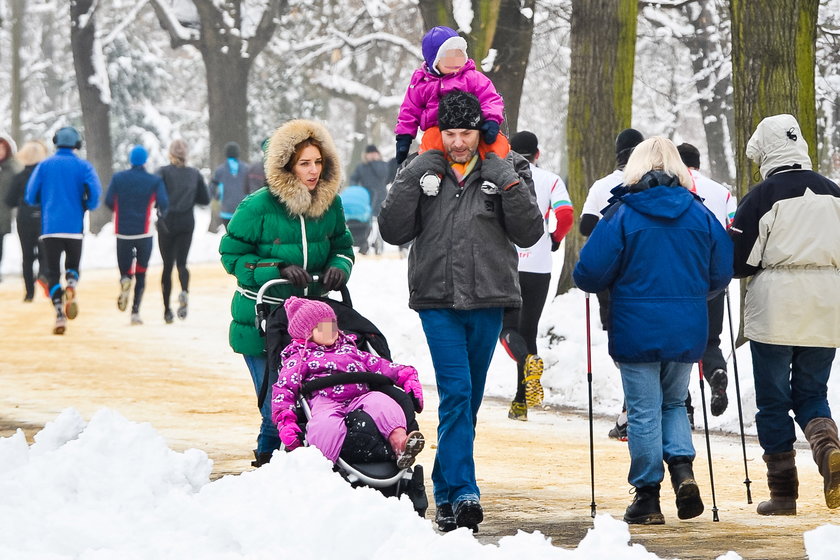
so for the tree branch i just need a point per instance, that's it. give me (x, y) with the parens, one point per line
(265, 28)
(655, 4)
(178, 34)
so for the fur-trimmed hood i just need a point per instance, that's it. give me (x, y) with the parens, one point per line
(285, 185)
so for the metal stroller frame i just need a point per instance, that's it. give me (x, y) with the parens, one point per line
(378, 475)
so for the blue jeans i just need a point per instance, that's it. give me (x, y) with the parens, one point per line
(657, 423)
(461, 343)
(268, 440)
(788, 378)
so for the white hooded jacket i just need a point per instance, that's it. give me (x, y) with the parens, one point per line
(787, 236)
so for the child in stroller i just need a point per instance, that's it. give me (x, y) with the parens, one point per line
(319, 349)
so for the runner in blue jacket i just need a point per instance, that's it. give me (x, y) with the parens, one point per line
(65, 186)
(131, 195)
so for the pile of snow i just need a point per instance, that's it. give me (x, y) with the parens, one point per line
(111, 488)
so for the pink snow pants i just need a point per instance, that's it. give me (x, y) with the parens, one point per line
(326, 429)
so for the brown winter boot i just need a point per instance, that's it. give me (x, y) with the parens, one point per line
(783, 482)
(822, 435)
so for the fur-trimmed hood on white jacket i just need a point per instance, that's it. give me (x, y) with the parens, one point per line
(285, 185)
(778, 142)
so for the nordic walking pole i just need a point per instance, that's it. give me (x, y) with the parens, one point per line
(708, 445)
(747, 480)
(592, 505)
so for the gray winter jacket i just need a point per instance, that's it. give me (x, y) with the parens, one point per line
(463, 256)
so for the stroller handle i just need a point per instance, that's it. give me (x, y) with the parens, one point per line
(262, 310)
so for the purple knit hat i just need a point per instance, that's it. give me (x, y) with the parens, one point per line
(437, 40)
(305, 314)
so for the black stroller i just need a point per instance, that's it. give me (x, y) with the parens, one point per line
(366, 458)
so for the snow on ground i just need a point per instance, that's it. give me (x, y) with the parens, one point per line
(108, 487)
(111, 488)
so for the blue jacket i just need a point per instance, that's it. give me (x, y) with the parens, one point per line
(131, 195)
(65, 186)
(660, 252)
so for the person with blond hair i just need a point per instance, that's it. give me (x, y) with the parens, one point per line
(28, 218)
(186, 189)
(661, 253)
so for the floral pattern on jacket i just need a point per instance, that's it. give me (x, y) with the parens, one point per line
(304, 360)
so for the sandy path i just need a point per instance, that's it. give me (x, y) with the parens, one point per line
(184, 379)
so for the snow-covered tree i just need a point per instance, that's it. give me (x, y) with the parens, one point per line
(229, 34)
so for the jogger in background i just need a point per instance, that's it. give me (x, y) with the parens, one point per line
(186, 189)
(65, 186)
(131, 195)
(519, 328)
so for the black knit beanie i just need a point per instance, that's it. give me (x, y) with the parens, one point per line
(459, 109)
(524, 143)
(626, 140)
(232, 150)
(689, 155)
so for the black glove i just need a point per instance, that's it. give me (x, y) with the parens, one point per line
(333, 279)
(295, 274)
(489, 129)
(555, 245)
(498, 171)
(403, 146)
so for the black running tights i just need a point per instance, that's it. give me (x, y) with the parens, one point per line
(54, 247)
(525, 320)
(174, 249)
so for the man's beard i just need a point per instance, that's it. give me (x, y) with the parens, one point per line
(462, 158)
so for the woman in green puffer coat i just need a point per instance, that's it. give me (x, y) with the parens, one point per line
(291, 228)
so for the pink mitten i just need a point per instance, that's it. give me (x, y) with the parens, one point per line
(408, 380)
(290, 432)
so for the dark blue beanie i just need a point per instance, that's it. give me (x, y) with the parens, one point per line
(138, 155)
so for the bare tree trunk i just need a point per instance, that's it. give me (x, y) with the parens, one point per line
(716, 105)
(18, 21)
(95, 98)
(603, 35)
(227, 101)
(773, 60)
(772, 72)
(512, 42)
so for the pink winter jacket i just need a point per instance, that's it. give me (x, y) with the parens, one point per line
(304, 361)
(420, 105)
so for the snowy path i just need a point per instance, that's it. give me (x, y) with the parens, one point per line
(534, 475)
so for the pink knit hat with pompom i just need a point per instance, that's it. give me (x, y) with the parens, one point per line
(305, 314)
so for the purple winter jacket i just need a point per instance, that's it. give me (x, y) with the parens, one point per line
(420, 105)
(304, 360)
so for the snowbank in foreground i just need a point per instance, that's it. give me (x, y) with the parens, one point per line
(111, 488)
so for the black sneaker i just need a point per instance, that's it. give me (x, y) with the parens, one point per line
(619, 431)
(445, 518)
(717, 386)
(468, 513)
(168, 316)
